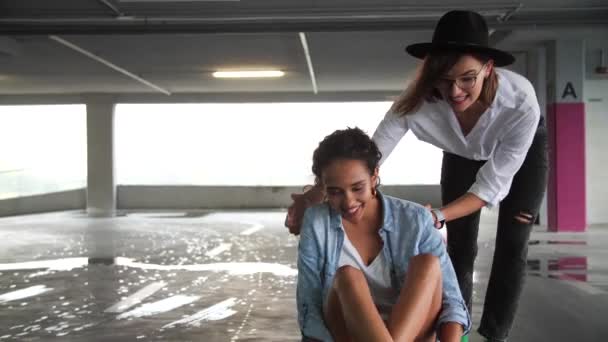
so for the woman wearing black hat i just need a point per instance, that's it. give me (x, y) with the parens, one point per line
(487, 121)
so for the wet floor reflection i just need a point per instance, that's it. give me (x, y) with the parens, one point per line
(154, 276)
(564, 268)
(557, 242)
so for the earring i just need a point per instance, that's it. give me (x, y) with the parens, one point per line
(374, 191)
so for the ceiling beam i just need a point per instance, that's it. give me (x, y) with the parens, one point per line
(91, 28)
(300, 20)
(240, 97)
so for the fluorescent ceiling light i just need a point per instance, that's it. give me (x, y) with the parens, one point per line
(248, 74)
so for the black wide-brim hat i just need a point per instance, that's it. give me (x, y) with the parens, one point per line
(461, 31)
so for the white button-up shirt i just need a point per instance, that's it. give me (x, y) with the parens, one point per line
(502, 136)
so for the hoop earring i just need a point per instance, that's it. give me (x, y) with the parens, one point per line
(375, 187)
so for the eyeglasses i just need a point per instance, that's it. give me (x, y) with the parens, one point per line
(463, 82)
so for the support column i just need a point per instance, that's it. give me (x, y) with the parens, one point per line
(566, 207)
(101, 182)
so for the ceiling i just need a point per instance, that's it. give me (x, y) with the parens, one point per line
(168, 49)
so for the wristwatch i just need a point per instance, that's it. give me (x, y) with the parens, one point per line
(439, 216)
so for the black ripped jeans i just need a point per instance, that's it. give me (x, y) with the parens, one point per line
(511, 250)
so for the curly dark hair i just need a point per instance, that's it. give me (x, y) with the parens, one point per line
(350, 143)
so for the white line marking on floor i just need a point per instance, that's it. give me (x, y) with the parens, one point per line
(41, 273)
(255, 227)
(137, 297)
(161, 306)
(65, 264)
(24, 293)
(219, 249)
(216, 312)
(234, 268)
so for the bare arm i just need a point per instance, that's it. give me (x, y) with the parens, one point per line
(301, 202)
(462, 206)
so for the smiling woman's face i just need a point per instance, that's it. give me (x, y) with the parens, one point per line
(462, 85)
(348, 184)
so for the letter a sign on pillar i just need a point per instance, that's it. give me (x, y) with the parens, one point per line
(569, 91)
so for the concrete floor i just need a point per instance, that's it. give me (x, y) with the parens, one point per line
(228, 276)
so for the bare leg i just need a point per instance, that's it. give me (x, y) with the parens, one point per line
(419, 303)
(350, 313)
(334, 319)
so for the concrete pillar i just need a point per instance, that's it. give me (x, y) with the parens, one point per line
(566, 207)
(101, 181)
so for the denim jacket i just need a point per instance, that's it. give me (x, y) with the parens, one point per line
(407, 230)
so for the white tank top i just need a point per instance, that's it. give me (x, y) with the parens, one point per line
(377, 274)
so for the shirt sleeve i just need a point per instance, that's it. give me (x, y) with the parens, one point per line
(389, 132)
(494, 178)
(309, 291)
(453, 307)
